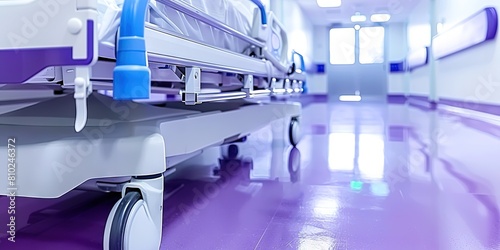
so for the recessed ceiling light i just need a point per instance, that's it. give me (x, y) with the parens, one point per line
(329, 3)
(380, 18)
(356, 18)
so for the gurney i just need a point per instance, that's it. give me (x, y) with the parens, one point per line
(102, 127)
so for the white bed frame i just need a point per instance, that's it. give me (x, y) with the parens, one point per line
(125, 139)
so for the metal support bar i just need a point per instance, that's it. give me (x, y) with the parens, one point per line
(208, 97)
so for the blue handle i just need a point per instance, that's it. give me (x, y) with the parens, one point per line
(262, 10)
(132, 76)
(301, 57)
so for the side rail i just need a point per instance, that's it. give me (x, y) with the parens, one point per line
(274, 35)
(417, 58)
(36, 35)
(300, 70)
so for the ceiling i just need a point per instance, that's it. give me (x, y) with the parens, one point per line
(399, 10)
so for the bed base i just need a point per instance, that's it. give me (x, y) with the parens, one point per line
(122, 139)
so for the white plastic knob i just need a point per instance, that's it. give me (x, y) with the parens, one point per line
(75, 25)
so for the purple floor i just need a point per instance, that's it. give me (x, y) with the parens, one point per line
(365, 176)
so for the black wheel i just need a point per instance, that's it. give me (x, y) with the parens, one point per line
(294, 132)
(117, 234)
(59, 92)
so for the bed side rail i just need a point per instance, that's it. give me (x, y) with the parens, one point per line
(38, 34)
(302, 68)
(262, 9)
(200, 16)
(273, 34)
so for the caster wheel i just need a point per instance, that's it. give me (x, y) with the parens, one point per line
(294, 132)
(129, 227)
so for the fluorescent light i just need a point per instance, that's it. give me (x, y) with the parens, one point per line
(329, 3)
(358, 18)
(380, 18)
(350, 98)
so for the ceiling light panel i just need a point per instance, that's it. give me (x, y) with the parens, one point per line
(329, 3)
(380, 18)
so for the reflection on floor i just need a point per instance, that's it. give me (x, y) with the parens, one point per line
(365, 176)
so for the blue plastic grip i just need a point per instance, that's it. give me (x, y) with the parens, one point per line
(132, 76)
(262, 10)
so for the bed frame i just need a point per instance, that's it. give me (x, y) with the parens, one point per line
(118, 144)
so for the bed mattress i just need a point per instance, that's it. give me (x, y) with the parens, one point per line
(237, 14)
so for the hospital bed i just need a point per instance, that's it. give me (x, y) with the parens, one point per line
(110, 65)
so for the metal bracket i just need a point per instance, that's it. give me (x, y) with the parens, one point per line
(193, 86)
(248, 84)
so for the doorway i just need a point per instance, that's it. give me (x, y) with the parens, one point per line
(357, 64)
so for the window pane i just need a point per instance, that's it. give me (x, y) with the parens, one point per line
(342, 46)
(371, 45)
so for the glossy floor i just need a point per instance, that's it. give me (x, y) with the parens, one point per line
(365, 176)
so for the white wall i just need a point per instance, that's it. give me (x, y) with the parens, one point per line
(303, 38)
(419, 81)
(396, 50)
(318, 83)
(419, 36)
(470, 75)
(464, 76)
(299, 28)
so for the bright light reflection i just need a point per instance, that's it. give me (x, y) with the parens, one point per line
(326, 207)
(341, 153)
(380, 189)
(324, 242)
(371, 156)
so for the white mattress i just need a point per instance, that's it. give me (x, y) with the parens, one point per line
(237, 14)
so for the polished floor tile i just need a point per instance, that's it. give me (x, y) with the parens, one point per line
(365, 176)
